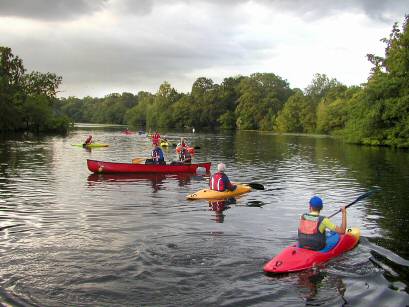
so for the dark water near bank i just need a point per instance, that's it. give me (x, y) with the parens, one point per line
(70, 238)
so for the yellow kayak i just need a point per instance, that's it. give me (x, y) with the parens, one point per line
(211, 194)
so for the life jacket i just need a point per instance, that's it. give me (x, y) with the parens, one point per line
(88, 140)
(157, 155)
(156, 138)
(185, 155)
(309, 236)
(216, 182)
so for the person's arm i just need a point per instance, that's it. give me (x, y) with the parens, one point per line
(229, 186)
(341, 229)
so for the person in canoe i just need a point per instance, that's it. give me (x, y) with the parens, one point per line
(183, 143)
(311, 231)
(219, 181)
(88, 141)
(157, 155)
(184, 156)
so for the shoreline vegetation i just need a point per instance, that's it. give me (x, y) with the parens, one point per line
(374, 113)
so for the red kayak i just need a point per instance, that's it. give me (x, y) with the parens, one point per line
(128, 132)
(191, 150)
(293, 258)
(115, 167)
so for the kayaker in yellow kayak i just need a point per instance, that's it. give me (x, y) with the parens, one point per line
(311, 231)
(88, 141)
(219, 181)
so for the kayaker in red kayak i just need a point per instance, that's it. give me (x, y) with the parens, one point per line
(311, 231)
(87, 141)
(219, 181)
(185, 156)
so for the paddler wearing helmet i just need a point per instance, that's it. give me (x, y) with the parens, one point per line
(219, 181)
(311, 230)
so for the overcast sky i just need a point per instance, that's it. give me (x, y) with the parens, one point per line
(105, 46)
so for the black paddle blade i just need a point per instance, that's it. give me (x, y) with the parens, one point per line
(255, 185)
(369, 193)
(356, 200)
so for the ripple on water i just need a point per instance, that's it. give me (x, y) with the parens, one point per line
(74, 238)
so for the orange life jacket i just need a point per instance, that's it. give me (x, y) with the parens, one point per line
(309, 236)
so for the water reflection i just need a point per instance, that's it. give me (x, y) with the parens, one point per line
(156, 179)
(218, 207)
(71, 223)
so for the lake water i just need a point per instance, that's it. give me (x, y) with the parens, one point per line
(71, 238)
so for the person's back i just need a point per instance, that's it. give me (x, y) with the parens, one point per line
(157, 155)
(88, 140)
(312, 227)
(219, 181)
(184, 156)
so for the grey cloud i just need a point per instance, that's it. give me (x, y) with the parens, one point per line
(49, 9)
(89, 62)
(377, 9)
(311, 9)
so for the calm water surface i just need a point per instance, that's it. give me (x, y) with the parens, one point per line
(71, 238)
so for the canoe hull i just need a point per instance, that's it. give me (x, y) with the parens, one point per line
(211, 194)
(114, 167)
(292, 258)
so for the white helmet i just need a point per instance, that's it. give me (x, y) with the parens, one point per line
(221, 167)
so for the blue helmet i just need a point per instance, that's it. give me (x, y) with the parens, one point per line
(316, 202)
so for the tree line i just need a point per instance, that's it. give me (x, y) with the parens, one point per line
(373, 113)
(28, 100)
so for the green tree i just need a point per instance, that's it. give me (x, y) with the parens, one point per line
(26, 100)
(262, 95)
(11, 89)
(381, 114)
(297, 115)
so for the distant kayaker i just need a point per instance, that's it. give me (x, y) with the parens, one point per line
(219, 181)
(184, 156)
(157, 155)
(87, 141)
(311, 231)
(156, 138)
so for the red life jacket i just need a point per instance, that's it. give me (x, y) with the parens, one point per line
(185, 155)
(216, 182)
(88, 140)
(309, 236)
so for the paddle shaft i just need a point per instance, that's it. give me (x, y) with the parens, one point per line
(355, 201)
(253, 185)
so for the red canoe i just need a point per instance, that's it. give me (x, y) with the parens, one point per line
(115, 167)
(292, 258)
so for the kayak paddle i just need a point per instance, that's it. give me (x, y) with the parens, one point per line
(255, 185)
(356, 200)
(137, 160)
